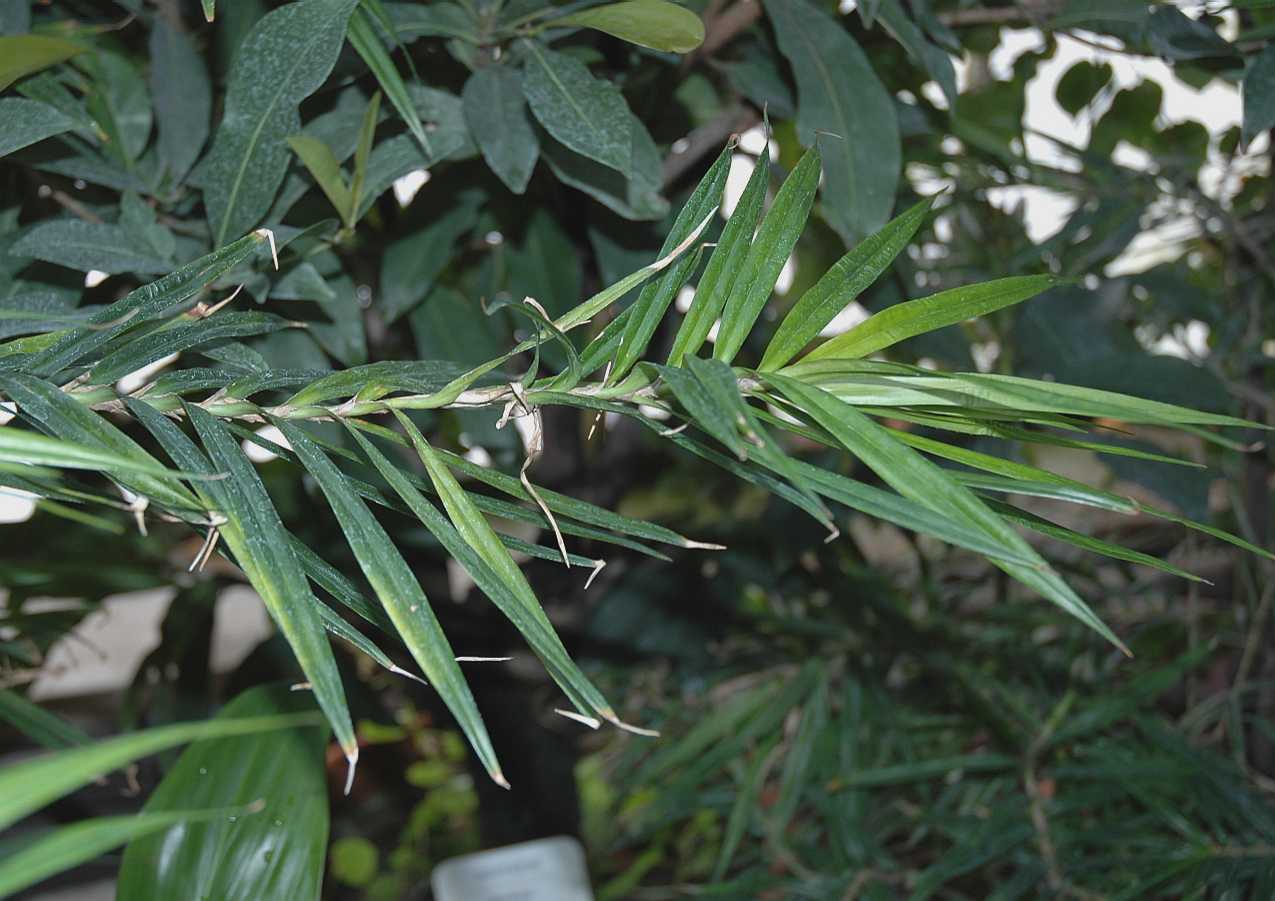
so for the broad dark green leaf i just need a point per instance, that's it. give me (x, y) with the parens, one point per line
(82, 245)
(1258, 88)
(917, 317)
(285, 58)
(586, 114)
(69, 846)
(400, 594)
(1081, 83)
(775, 240)
(27, 786)
(411, 264)
(847, 279)
(22, 54)
(933, 58)
(838, 93)
(653, 302)
(657, 24)
(27, 122)
(417, 20)
(120, 102)
(724, 266)
(183, 97)
(497, 115)
(278, 851)
(634, 197)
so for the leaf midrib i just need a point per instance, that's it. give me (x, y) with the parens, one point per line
(557, 82)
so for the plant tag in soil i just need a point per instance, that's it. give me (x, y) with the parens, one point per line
(548, 869)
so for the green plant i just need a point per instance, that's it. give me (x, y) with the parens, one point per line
(180, 229)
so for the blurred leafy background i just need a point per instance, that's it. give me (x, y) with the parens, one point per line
(878, 717)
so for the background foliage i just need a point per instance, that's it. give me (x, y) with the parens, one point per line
(879, 716)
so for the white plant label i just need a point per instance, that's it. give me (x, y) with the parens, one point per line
(548, 869)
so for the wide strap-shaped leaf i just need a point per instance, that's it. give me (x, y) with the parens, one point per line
(277, 851)
(916, 317)
(27, 786)
(653, 302)
(841, 284)
(68, 847)
(775, 240)
(522, 610)
(255, 535)
(724, 265)
(909, 473)
(399, 592)
(284, 59)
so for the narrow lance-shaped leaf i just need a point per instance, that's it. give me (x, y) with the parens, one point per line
(285, 58)
(917, 317)
(27, 786)
(368, 43)
(322, 164)
(71, 421)
(656, 24)
(153, 301)
(255, 535)
(23, 446)
(399, 592)
(362, 153)
(38, 724)
(532, 627)
(210, 9)
(656, 295)
(849, 277)
(724, 265)
(775, 240)
(913, 476)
